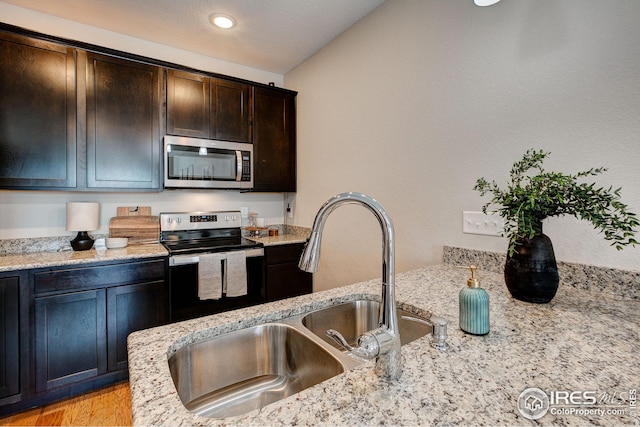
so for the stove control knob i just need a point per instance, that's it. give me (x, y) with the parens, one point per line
(169, 220)
(178, 220)
(226, 218)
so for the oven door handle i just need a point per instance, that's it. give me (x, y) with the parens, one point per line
(183, 260)
(194, 259)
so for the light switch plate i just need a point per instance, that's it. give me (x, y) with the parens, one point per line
(480, 223)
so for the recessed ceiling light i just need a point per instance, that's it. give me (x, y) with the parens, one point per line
(485, 2)
(222, 21)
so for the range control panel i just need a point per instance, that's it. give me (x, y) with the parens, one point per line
(173, 221)
(203, 218)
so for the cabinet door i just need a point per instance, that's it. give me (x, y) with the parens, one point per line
(274, 141)
(283, 278)
(231, 111)
(38, 114)
(70, 338)
(132, 308)
(188, 105)
(9, 337)
(286, 281)
(123, 124)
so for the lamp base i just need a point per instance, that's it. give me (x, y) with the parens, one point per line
(82, 242)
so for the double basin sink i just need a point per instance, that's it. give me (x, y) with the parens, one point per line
(244, 370)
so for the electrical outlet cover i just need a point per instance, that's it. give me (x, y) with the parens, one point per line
(479, 223)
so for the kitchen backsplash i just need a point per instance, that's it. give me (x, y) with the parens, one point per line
(39, 244)
(622, 283)
(54, 244)
(292, 230)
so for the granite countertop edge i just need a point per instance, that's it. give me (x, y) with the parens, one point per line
(23, 254)
(282, 239)
(582, 340)
(26, 261)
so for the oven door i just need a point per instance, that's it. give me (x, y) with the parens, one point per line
(202, 163)
(183, 285)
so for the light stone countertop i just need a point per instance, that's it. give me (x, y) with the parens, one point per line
(25, 261)
(282, 239)
(288, 234)
(581, 341)
(24, 254)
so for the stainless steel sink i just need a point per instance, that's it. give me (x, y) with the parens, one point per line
(235, 373)
(354, 318)
(244, 370)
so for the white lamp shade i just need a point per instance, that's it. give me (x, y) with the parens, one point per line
(485, 2)
(83, 216)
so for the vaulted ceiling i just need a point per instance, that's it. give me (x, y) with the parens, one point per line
(271, 35)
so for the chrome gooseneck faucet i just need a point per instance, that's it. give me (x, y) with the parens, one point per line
(382, 343)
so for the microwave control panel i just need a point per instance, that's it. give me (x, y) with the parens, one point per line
(246, 166)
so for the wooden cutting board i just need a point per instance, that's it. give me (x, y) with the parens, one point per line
(134, 211)
(139, 229)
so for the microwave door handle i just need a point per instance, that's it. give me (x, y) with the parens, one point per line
(238, 165)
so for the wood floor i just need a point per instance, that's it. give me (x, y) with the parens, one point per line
(110, 406)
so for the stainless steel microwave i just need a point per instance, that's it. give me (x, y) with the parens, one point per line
(206, 163)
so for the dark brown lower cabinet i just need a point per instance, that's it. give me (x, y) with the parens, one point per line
(77, 333)
(9, 337)
(132, 308)
(283, 278)
(71, 338)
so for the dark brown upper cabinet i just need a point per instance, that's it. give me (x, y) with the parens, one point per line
(123, 123)
(207, 107)
(73, 120)
(37, 114)
(188, 107)
(81, 117)
(274, 140)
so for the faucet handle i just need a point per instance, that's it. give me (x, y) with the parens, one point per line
(368, 346)
(337, 337)
(439, 330)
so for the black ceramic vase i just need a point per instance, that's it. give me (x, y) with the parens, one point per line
(531, 274)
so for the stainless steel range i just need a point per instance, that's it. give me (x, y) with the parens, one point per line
(212, 268)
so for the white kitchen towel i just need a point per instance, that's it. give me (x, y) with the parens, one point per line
(236, 274)
(210, 276)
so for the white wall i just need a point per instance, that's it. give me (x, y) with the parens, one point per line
(72, 30)
(422, 97)
(25, 214)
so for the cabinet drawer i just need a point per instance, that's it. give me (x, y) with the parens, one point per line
(283, 253)
(99, 276)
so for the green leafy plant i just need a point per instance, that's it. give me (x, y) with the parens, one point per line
(529, 198)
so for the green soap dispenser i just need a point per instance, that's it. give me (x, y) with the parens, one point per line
(474, 306)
